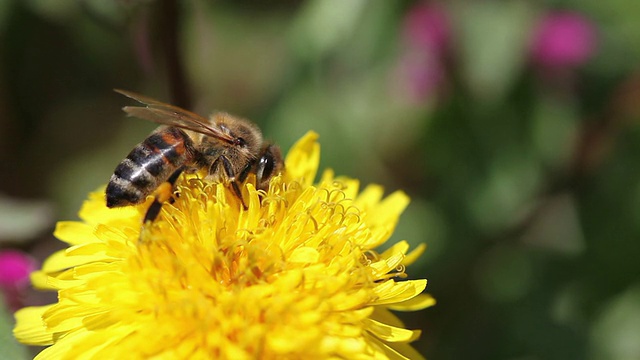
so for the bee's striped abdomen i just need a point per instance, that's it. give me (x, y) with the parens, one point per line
(148, 165)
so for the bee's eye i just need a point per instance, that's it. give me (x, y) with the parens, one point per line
(265, 167)
(240, 142)
(268, 164)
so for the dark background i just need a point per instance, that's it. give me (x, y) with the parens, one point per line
(512, 126)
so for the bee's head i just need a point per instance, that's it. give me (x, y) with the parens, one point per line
(245, 134)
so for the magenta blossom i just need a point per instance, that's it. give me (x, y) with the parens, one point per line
(425, 39)
(15, 267)
(427, 26)
(564, 40)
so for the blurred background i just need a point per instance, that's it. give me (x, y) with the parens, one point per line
(513, 126)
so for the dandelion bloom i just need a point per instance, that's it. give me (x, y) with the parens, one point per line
(293, 276)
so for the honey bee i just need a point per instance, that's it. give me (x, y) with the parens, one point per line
(226, 147)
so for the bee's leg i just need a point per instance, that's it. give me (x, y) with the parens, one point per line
(244, 173)
(228, 169)
(164, 193)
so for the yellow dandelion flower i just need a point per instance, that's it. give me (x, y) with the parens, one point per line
(294, 276)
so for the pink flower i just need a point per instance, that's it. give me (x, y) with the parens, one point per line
(564, 39)
(421, 65)
(427, 26)
(15, 267)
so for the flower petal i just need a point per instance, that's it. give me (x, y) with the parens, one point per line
(303, 159)
(392, 292)
(30, 328)
(411, 257)
(74, 233)
(390, 333)
(419, 302)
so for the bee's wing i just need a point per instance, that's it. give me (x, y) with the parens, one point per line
(166, 114)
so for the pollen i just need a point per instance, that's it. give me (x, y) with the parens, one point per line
(294, 275)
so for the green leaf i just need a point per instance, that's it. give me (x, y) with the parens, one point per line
(324, 24)
(492, 39)
(10, 348)
(615, 334)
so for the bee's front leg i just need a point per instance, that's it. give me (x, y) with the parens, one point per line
(231, 175)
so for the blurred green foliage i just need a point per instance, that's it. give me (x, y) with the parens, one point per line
(523, 174)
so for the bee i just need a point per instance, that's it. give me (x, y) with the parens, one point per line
(226, 147)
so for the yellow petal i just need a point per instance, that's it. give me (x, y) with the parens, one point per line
(390, 333)
(307, 255)
(384, 315)
(40, 281)
(399, 247)
(384, 266)
(73, 346)
(74, 232)
(411, 257)
(303, 159)
(30, 328)
(398, 350)
(395, 350)
(419, 302)
(390, 259)
(370, 197)
(392, 292)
